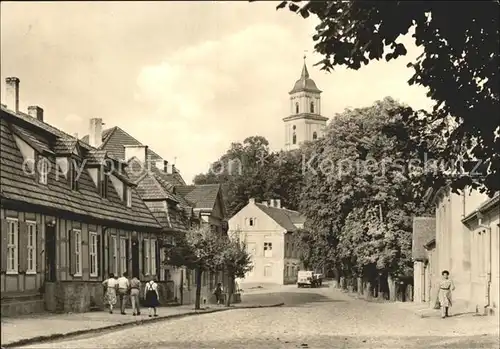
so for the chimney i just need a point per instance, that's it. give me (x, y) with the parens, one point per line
(139, 151)
(35, 112)
(251, 201)
(95, 132)
(12, 93)
(165, 166)
(277, 202)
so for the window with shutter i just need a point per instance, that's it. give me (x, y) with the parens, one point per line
(113, 252)
(93, 254)
(100, 266)
(153, 255)
(31, 248)
(40, 249)
(123, 254)
(12, 246)
(4, 245)
(78, 252)
(143, 255)
(23, 247)
(146, 267)
(71, 249)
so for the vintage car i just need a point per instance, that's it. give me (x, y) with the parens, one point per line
(307, 278)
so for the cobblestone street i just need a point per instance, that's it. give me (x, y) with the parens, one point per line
(311, 318)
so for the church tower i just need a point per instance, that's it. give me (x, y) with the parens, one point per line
(305, 122)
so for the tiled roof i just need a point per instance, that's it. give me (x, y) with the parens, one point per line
(151, 187)
(203, 196)
(19, 186)
(424, 230)
(31, 139)
(65, 145)
(173, 178)
(114, 139)
(284, 217)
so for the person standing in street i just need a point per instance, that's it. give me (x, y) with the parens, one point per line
(446, 286)
(123, 289)
(218, 293)
(111, 285)
(151, 297)
(135, 286)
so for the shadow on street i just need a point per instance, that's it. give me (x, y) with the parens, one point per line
(335, 341)
(291, 299)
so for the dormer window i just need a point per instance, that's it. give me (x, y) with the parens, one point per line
(73, 173)
(103, 183)
(128, 195)
(43, 170)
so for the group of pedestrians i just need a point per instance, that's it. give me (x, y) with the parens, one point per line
(121, 288)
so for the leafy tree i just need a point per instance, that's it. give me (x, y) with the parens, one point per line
(250, 169)
(199, 249)
(355, 173)
(237, 261)
(460, 68)
(304, 244)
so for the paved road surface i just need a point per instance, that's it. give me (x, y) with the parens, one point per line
(312, 318)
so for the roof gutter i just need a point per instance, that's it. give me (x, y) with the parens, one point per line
(483, 208)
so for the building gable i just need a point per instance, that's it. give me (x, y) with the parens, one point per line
(260, 221)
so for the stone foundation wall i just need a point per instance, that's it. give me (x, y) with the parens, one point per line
(83, 296)
(73, 296)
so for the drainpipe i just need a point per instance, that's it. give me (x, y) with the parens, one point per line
(488, 264)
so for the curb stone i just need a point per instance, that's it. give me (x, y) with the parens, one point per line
(56, 336)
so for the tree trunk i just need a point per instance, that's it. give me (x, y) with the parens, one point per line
(392, 288)
(359, 287)
(336, 278)
(197, 301)
(230, 290)
(409, 293)
(368, 290)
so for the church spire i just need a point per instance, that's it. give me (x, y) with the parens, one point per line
(305, 83)
(305, 74)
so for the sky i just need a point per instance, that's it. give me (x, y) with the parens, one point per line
(185, 78)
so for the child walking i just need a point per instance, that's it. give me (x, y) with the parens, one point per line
(151, 297)
(444, 295)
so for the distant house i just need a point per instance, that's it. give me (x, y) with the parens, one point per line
(69, 217)
(267, 229)
(467, 245)
(175, 205)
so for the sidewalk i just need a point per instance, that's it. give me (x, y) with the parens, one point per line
(36, 328)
